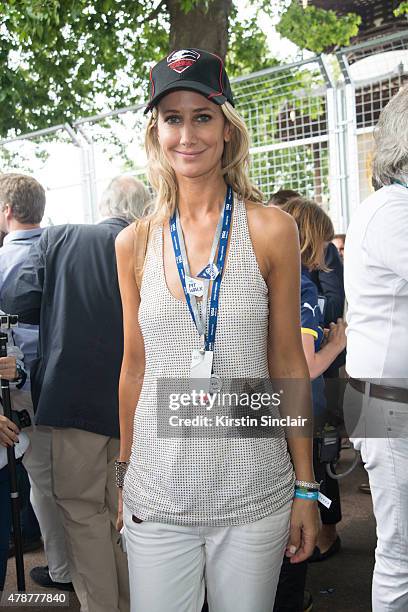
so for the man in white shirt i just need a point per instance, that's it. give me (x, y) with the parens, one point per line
(376, 400)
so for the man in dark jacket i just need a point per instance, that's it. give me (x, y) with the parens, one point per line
(69, 287)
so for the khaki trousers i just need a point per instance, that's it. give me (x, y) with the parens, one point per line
(85, 491)
(37, 461)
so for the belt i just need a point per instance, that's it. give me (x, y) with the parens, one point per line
(391, 394)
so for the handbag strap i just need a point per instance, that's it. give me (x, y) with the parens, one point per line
(140, 243)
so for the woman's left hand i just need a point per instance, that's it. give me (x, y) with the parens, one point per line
(119, 518)
(304, 527)
(8, 368)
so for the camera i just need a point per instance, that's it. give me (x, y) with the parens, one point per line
(21, 418)
(329, 443)
(7, 321)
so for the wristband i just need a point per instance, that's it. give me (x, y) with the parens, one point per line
(120, 472)
(313, 496)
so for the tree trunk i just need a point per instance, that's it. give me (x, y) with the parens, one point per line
(200, 28)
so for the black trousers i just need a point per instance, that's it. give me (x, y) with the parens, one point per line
(292, 579)
(291, 586)
(329, 487)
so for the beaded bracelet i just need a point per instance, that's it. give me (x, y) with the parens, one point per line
(310, 486)
(120, 472)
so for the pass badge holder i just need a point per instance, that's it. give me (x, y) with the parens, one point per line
(201, 368)
(325, 501)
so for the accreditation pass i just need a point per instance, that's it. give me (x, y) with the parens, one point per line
(201, 369)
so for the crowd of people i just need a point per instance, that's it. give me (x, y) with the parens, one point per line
(206, 288)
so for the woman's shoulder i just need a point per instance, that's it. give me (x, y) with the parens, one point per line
(138, 230)
(271, 221)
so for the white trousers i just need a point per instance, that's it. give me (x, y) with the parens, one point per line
(170, 565)
(379, 430)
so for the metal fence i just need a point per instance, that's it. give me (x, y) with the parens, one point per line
(311, 125)
(372, 73)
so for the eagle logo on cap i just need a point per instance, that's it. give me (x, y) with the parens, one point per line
(179, 61)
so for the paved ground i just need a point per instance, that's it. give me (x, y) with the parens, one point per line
(341, 584)
(348, 573)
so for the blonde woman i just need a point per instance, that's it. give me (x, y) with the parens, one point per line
(219, 299)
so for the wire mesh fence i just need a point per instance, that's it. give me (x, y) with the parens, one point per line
(285, 111)
(311, 126)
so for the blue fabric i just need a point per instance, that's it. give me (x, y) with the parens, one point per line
(12, 255)
(311, 318)
(331, 286)
(310, 315)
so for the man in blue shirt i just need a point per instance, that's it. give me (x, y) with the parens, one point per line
(22, 203)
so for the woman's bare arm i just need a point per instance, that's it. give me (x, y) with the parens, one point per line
(285, 351)
(133, 363)
(276, 244)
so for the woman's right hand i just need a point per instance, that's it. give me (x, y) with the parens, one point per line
(119, 520)
(8, 432)
(337, 335)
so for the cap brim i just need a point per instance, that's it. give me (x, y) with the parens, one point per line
(207, 92)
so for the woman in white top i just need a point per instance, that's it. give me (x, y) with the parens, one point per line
(219, 300)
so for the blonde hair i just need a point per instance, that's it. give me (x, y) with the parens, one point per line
(234, 163)
(315, 228)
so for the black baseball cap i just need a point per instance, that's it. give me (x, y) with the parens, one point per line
(192, 69)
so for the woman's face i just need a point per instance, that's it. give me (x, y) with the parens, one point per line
(191, 131)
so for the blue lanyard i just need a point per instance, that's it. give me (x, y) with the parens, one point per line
(221, 256)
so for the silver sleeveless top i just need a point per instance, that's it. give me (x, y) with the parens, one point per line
(201, 481)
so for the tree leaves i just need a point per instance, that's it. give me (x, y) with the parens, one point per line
(248, 47)
(61, 60)
(402, 9)
(317, 29)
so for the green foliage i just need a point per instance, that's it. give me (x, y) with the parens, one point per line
(187, 5)
(63, 59)
(248, 47)
(317, 29)
(402, 9)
